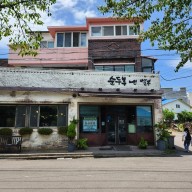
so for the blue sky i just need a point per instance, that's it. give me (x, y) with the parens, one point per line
(74, 12)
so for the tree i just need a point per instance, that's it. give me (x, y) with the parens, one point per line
(171, 32)
(168, 116)
(184, 116)
(15, 17)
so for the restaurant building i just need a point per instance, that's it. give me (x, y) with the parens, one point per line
(94, 73)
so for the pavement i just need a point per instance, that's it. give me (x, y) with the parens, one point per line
(101, 152)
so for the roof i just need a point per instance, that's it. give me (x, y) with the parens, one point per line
(167, 101)
(92, 21)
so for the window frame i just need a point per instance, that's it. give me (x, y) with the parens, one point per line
(82, 43)
(127, 27)
(113, 66)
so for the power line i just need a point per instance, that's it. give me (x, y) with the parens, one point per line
(175, 78)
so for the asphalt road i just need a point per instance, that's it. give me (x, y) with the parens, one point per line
(132, 174)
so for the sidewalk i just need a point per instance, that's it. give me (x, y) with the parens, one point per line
(100, 152)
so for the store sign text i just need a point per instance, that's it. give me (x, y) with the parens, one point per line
(122, 80)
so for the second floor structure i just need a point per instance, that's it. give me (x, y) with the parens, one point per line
(103, 44)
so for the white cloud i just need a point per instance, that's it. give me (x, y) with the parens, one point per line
(80, 16)
(63, 13)
(79, 9)
(64, 4)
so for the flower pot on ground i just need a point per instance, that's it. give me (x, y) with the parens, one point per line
(82, 143)
(142, 143)
(171, 144)
(71, 133)
(163, 134)
(162, 145)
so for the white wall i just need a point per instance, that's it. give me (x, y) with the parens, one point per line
(55, 140)
(172, 106)
(63, 79)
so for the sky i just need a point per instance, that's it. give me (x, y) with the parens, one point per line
(74, 12)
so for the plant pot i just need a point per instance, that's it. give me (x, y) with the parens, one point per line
(71, 147)
(171, 144)
(162, 145)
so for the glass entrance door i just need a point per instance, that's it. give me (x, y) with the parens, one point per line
(122, 133)
(111, 129)
(116, 129)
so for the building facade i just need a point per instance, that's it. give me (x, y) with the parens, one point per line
(94, 73)
(176, 105)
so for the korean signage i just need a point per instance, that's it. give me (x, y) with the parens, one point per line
(120, 80)
(90, 124)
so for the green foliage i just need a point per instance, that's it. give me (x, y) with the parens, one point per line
(81, 143)
(184, 116)
(180, 127)
(168, 115)
(143, 143)
(25, 131)
(171, 30)
(162, 131)
(19, 32)
(62, 130)
(6, 131)
(71, 130)
(45, 131)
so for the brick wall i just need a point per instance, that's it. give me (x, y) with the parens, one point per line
(116, 50)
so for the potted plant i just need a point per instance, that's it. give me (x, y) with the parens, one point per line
(163, 135)
(25, 131)
(71, 133)
(143, 143)
(82, 143)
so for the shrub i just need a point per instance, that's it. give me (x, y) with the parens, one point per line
(25, 131)
(62, 130)
(168, 116)
(81, 143)
(180, 127)
(143, 143)
(163, 132)
(45, 131)
(71, 130)
(6, 131)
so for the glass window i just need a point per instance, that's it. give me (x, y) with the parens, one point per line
(43, 44)
(147, 69)
(50, 44)
(144, 119)
(62, 116)
(108, 68)
(48, 116)
(121, 30)
(20, 116)
(124, 28)
(34, 116)
(75, 39)
(130, 68)
(134, 30)
(147, 62)
(67, 39)
(89, 118)
(7, 116)
(99, 68)
(60, 39)
(108, 31)
(83, 39)
(95, 31)
(119, 68)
